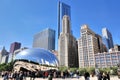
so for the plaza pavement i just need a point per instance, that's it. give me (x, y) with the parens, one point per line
(81, 78)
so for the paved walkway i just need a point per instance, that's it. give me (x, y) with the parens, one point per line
(81, 78)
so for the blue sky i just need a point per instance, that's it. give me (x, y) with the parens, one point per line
(21, 19)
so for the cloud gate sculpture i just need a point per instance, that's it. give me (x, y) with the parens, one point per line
(35, 59)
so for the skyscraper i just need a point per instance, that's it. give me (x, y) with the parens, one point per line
(45, 39)
(87, 47)
(14, 46)
(107, 38)
(63, 9)
(67, 45)
(4, 56)
(101, 46)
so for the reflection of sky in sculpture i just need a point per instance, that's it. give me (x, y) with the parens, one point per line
(40, 56)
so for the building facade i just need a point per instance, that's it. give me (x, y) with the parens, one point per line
(4, 56)
(14, 46)
(45, 39)
(4, 59)
(67, 45)
(87, 47)
(117, 47)
(107, 38)
(106, 59)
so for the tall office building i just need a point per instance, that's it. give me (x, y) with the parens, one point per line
(4, 56)
(107, 38)
(87, 47)
(63, 9)
(101, 46)
(45, 39)
(14, 46)
(67, 45)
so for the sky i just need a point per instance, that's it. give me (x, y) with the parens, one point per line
(20, 20)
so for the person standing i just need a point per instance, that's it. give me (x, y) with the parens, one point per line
(50, 76)
(21, 75)
(104, 76)
(86, 76)
(5, 77)
(108, 76)
(99, 76)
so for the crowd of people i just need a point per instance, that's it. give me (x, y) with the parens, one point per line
(100, 76)
(50, 74)
(103, 76)
(21, 75)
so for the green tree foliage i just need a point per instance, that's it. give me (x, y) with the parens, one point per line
(91, 70)
(82, 71)
(6, 67)
(114, 70)
(111, 70)
(63, 68)
(73, 69)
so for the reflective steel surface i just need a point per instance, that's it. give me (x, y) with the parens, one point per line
(38, 55)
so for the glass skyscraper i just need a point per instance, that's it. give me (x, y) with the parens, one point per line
(63, 9)
(107, 38)
(45, 39)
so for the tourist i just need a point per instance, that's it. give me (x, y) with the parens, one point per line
(108, 76)
(86, 76)
(21, 75)
(104, 76)
(99, 76)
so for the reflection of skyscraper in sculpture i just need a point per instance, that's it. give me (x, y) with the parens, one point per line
(45, 39)
(107, 38)
(63, 9)
(67, 45)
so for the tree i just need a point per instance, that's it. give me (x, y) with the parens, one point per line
(63, 68)
(82, 71)
(6, 67)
